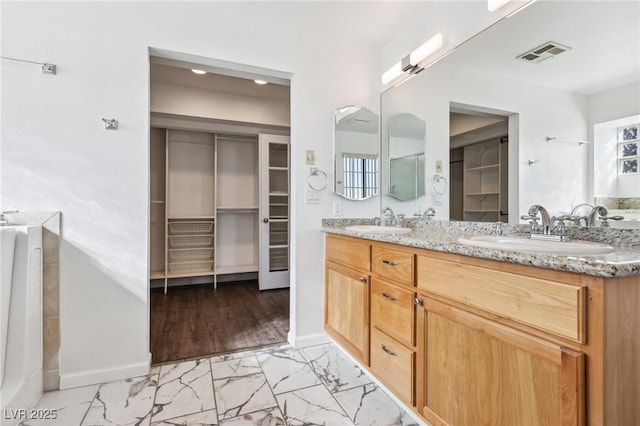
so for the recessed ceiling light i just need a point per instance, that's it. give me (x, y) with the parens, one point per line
(260, 81)
(199, 71)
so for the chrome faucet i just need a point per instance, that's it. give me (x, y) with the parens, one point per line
(427, 214)
(547, 230)
(601, 213)
(387, 217)
(3, 219)
(594, 213)
(544, 217)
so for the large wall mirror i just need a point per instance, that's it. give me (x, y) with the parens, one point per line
(405, 153)
(356, 159)
(531, 111)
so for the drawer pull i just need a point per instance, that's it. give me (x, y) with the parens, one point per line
(384, 348)
(363, 279)
(390, 262)
(390, 297)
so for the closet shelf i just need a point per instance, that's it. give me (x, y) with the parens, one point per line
(236, 269)
(237, 209)
(188, 274)
(482, 168)
(277, 246)
(482, 193)
(190, 217)
(191, 267)
(157, 275)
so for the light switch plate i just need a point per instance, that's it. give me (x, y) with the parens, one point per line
(438, 166)
(310, 157)
(311, 196)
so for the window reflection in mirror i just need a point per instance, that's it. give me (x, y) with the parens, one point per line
(356, 144)
(406, 157)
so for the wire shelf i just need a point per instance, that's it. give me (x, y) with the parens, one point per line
(191, 227)
(190, 240)
(190, 254)
(203, 266)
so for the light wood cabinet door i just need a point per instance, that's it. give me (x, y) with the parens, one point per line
(346, 315)
(475, 372)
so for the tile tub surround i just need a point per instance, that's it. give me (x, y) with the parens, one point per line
(442, 236)
(269, 387)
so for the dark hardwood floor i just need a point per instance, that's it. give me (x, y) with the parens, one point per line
(193, 321)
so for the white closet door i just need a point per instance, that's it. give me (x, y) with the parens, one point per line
(274, 212)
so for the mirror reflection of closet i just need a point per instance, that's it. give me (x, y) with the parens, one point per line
(478, 165)
(406, 157)
(356, 156)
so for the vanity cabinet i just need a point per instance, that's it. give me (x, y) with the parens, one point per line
(471, 341)
(346, 305)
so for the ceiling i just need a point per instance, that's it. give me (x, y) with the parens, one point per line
(177, 75)
(604, 37)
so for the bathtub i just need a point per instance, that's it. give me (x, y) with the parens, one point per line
(22, 379)
(7, 246)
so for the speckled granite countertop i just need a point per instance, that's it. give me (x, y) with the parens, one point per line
(443, 235)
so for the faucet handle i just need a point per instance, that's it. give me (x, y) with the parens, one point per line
(533, 221)
(605, 220)
(561, 227)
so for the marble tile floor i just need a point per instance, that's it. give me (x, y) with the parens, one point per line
(316, 385)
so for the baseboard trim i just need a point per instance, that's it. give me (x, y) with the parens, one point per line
(308, 340)
(102, 375)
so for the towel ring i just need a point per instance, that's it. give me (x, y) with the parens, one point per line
(317, 179)
(439, 184)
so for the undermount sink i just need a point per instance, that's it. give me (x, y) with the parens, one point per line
(567, 248)
(376, 229)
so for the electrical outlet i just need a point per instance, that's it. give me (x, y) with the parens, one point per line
(310, 158)
(438, 166)
(337, 208)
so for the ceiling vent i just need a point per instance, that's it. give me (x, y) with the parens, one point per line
(543, 52)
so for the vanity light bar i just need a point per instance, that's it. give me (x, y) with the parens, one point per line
(392, 73)
(410, 62)
(426, 49)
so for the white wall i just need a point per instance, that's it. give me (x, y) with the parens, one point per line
(56, 154)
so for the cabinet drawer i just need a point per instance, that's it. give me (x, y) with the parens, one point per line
(349, 252)
(393, 364)
(392, 264)
(551, 306)
(392, 310)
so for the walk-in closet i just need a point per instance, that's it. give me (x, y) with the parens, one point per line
(219, 223)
